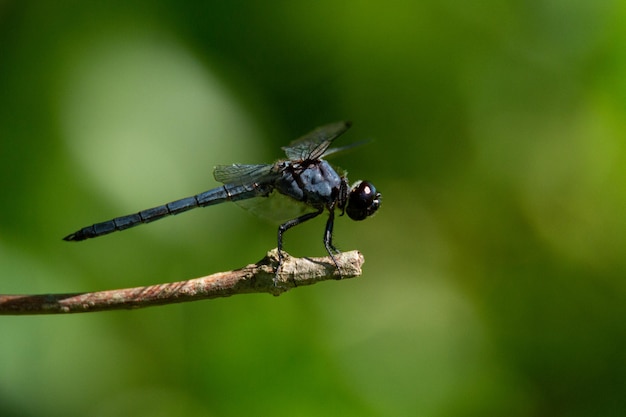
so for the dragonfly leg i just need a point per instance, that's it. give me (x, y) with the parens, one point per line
(328, 239)
(288, 225)
(328, 234)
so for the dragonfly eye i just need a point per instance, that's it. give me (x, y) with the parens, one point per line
(363, 201)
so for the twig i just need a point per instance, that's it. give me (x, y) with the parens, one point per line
(255, 278)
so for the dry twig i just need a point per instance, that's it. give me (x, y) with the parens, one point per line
(255, 278)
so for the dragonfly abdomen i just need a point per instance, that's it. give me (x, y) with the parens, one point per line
(207, 198)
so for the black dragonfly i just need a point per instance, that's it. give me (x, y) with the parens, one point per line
(304, 177)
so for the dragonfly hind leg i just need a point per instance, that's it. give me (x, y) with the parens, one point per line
(286, 226)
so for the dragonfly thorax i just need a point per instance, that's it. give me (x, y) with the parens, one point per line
(315, 183)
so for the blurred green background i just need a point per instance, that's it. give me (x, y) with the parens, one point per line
(495, 270)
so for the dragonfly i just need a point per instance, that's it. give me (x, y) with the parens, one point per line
(303, 177)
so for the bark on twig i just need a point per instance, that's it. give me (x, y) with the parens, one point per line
(255, 278)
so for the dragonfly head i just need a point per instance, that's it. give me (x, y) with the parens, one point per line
(363, 200)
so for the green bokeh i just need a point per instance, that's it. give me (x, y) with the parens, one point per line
(495, 270)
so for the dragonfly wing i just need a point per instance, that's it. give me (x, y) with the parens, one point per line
(314, 144)
(344, 149)
(240, 174)
(277, 208)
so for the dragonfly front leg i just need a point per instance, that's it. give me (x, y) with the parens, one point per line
(328, 233)
(328, 239)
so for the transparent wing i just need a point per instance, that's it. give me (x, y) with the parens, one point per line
(344, 149)
(314, 144)
(239, 174)
(276, 208)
